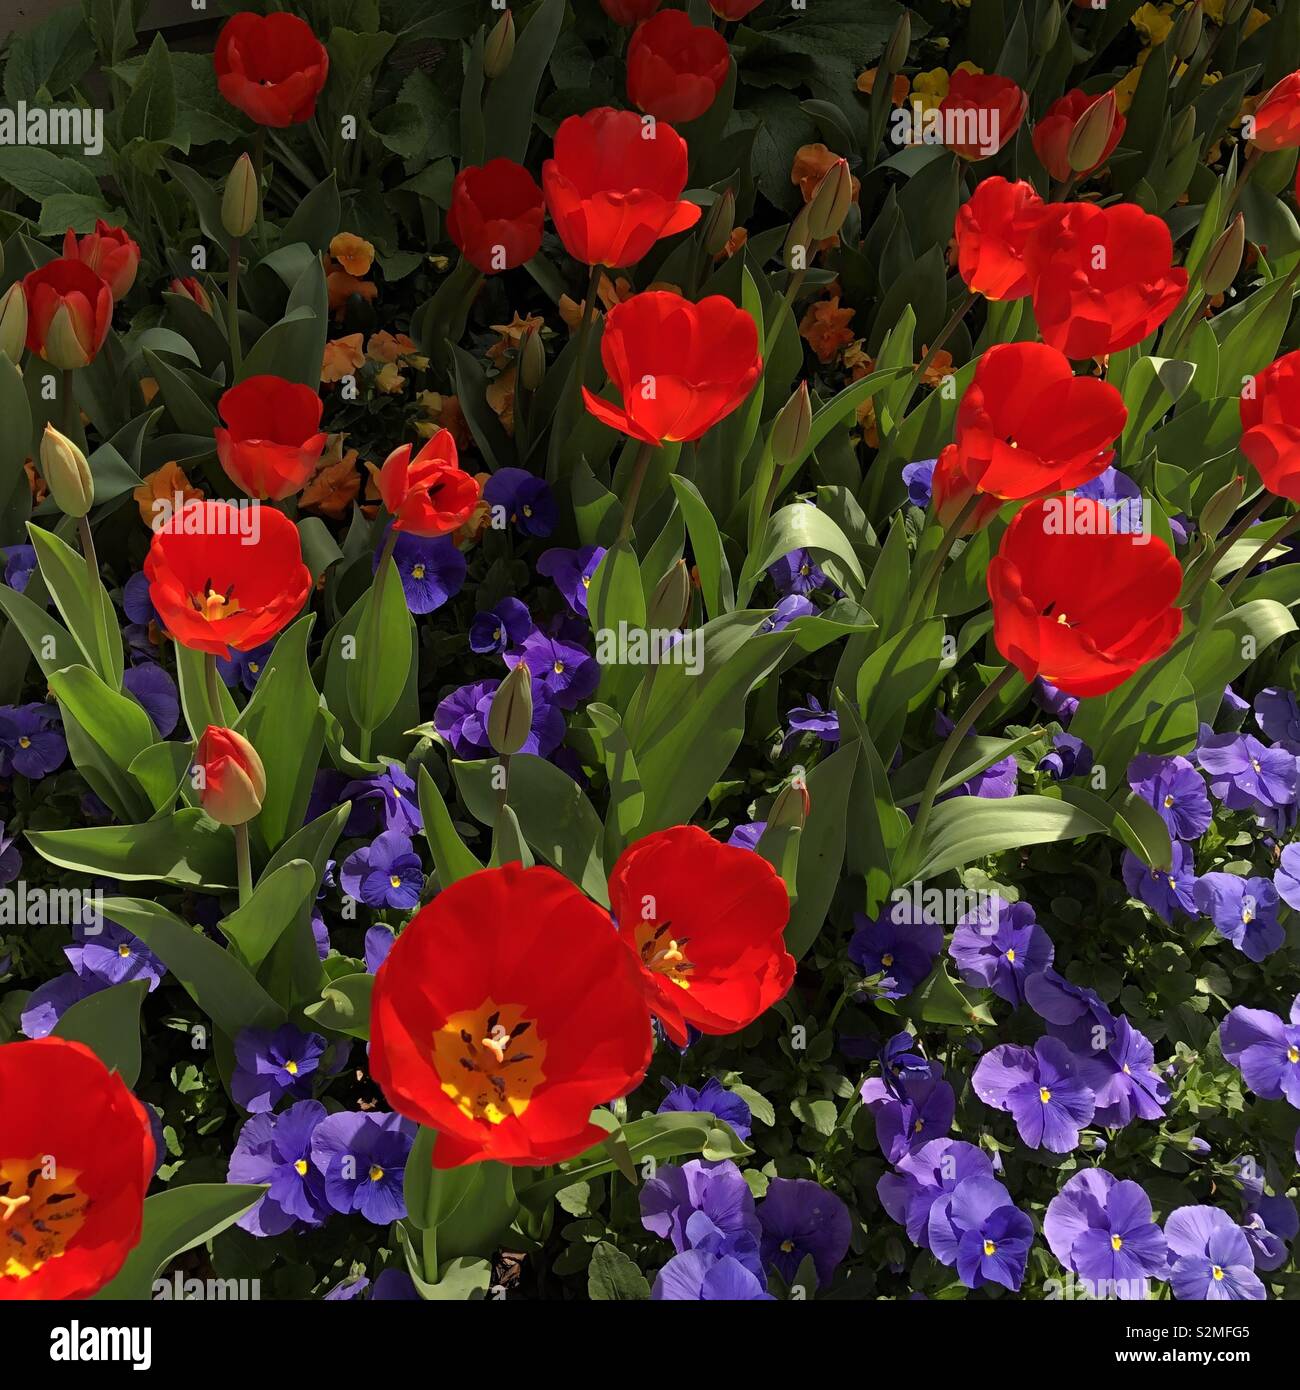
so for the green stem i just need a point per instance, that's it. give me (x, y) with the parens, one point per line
(634, 489)
(71, 416)
(930, 580)
(584, 332)
(232, 310)
(259, 161)
(1238, 188)
(941, 764)
(793, 286)
(212, 678)
(503, 791)
(1206, 573)
(243, 863)
(95, 590)
(946, 332)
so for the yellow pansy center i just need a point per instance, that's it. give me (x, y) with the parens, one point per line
(394, 881)
(1293, 1054)
(24, 741)
(490, 1060)
(990, 1248)
(1011, 954)
(417, 571)
(41, 1209)
(662, 952)
(558, 668)
(1044, 1094)
(124, 950)
(376, 1172)
(887, 960)
(291, 1068)
(1169, 801)
(1217, 1271)
(300, 1167)
(1117, 1242)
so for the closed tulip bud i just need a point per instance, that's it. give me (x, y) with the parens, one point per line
(1184, 129)
(240, 200)
(1224, 260)
(791, 428)
(66, 473)
(831, 201)
(671, 599)
(1091, 133)
(1236, 9)
(790, 807)
(229, 776)
(532, 361)
(500, 46)
(13, 321)
(1049, 28)
(1187, 32)
(797, 242)
(900, 41)
(720, 222)
(510, 720)
(1216, 512)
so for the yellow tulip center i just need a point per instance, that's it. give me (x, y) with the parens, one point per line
(41, 1209)
(663, 953)
(490, 1061)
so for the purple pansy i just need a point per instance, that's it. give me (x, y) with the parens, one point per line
(1102, 1229)
(378, 943)
(572, 571)
(1070, 757)
(1265, 1051)
(919, 478)
(155, 692)
(979, 1229)
(1247, 776)
(384, 873)
(1210, 1257)
(1122, 1075)
(801, 1218)
(1001, 955)
(703, 1206)
(895, 947)
(1270, 1224)
(1244, 910)
(563, 673)
(431, 568)
(396, 791)
(1040, 1089)
(526, 500)
(748, 835)
(712, 1098)
(276, 1149)
(20, 561)
(1277, 714)
(789, 608)
(505, 624)
(1286, 878)
(111, 955)
(796, 573)
(1121, 496)
(812, 719)
(699, 1276)
(271, 1063)
(926, 1176)
(245, 668)
(1165, 891)
(1177, 791)
(461, 719)
(361, 1157)
(31, 740)
(918, 1112)
(11, 859)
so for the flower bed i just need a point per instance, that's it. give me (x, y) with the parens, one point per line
(648, 652)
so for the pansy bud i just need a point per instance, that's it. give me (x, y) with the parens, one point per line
(13, 321)
(1091, 134)
(500, 46)
(1217, 511)
(791, 428)
(720, 222)
(229, 776)
(671, 598)
(900, 41)
(239, 202)
(510, 719)
(1224, 260)
(67, 473)
(532, 361)
(831, 201)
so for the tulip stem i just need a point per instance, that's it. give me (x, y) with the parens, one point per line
(634, 489)
(1288, 528)
(232, 310)
(259, 161)
(1203, 576)
(243, 863)
(1238, 188)
(941, 764)
(212, 678)
(944, 334)
(71, 415)
(934, 571)
(584, 332)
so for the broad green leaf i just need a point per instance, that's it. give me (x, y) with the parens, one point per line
(276, 901)
(344, 1006)
(85, 608)
(451, 857)
(821, 846)
(187, 849)
(108, 1022)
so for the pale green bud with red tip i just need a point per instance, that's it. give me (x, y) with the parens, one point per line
(228, 776)
(66, 473)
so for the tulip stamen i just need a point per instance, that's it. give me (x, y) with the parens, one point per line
(480, 1068)
(40, 1214)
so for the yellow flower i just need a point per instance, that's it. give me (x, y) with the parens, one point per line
(1256, 19)
(1153, 24)
(511, 335)
(389, 380)
(1214, 9)
(1127, 86)
(353, 253)
(930, 88)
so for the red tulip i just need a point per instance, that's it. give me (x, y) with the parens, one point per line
(506, 1010)
(1277, 117)
(1051, 134)
(273, 439)
(1270, 420)
(705, 921)
(981, 113)
(675, 69)
(223, 575)
(232, 785)
(109, 252)
(192, 289)
(629, 11)
(272, 67)
(680, 367)
(69, 311)
(733, 9)
(430, 494)
(77, 1154)
(1026, 427)
(1103, 277)
(496, 215)
(1080, 604)
(991, 230)
(614, 186)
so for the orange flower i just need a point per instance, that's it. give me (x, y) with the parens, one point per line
(160, 487)
(343, 357)
(394, 347)
(825, 328)
(148, 389)
(342, 287)
(353, 253)
(512, 334)
(336, 482)
(811, 164)
(389, 381)
(938, 369)
(866, 414)
(571, 312)
(898, 88)
(443, 413)
(501, 397)
(36, 483)
(858, 363)
(739, 236)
